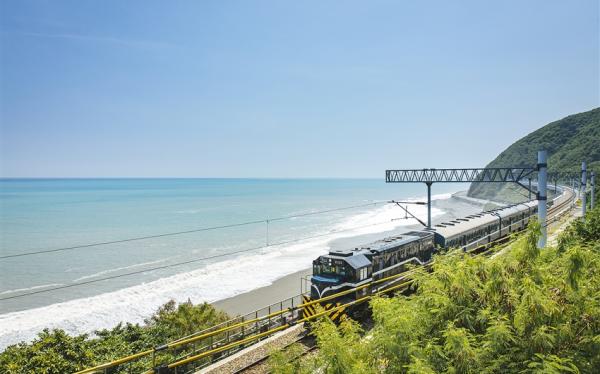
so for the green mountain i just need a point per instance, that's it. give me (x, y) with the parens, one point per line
(568, 141)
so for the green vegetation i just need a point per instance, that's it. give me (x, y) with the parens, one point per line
(526, 310)
(568, 141)
(57, 352)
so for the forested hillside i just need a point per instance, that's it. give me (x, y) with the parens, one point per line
(568, 142)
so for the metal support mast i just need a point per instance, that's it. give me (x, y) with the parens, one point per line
(428, 204)
(542, 168)
(583, 188)
(593, 185)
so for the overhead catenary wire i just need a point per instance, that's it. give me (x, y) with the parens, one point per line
(202, 229)
(201, 259)
(188, 261)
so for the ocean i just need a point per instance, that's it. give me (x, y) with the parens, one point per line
(47, 214)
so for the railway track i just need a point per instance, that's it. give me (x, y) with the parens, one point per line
(261, 365)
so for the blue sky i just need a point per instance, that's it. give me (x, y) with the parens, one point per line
(284, 88)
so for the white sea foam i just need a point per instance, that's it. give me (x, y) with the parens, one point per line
(189, 211)
(31, 288)
(104, 272)
(210, 283)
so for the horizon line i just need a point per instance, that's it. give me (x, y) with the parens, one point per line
(179, 177)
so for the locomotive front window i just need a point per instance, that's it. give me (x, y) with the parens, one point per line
(329, 269)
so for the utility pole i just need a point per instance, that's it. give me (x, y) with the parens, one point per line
(542, 168)
(574, 193)
(529, 179)
(593, 185)
(583, 188)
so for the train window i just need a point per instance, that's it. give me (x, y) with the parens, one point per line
(329, 269)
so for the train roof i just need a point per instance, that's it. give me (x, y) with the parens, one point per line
(358, 261)
(513, 209)
(381, 245)
(460, 225)
(391, 242)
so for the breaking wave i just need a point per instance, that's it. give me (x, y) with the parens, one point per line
(209, 283)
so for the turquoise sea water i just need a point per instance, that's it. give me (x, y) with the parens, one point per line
(55, 213)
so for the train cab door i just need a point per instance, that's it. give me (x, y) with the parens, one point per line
(361, 275)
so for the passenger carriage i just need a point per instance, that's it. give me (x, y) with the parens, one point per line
(480, 229)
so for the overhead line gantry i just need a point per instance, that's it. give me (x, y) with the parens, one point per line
(467, 175)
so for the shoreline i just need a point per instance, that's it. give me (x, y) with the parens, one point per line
(20, 327)
(282, 288)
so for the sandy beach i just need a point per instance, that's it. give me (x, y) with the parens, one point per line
(289, 285)
(282, 288)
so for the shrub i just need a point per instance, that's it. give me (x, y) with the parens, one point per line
(57, 352)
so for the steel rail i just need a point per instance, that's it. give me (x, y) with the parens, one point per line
(261, 361)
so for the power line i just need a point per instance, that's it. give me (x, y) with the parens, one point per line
(186, 232)
(187, 262)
